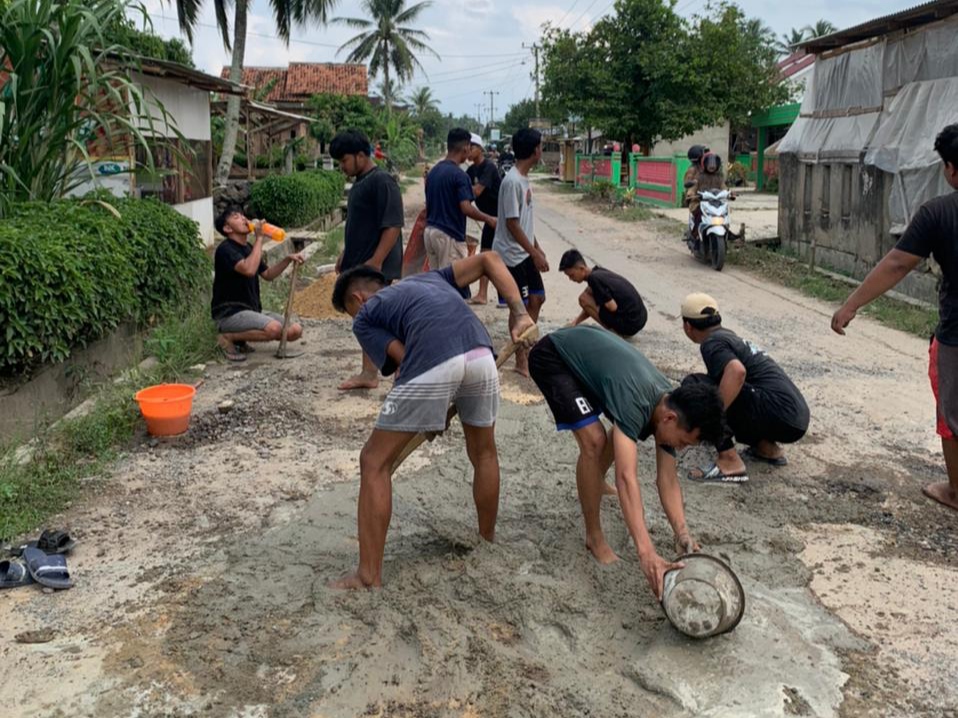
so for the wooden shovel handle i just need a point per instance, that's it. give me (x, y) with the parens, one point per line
(289, 309)
(530, 334)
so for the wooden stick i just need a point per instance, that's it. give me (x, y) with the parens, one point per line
(281, 352)
(507, 351)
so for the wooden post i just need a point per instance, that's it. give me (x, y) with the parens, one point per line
(249, 156)
(760, 164)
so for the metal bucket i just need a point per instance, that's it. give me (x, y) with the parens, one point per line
(703, 599)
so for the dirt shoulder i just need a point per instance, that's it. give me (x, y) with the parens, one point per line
(201, 580)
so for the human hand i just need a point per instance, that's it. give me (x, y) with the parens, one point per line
(519, 324)
(655, 567)
(684, 544)
(539, 259)
(297, 258)
(258, 227)
(842, 318)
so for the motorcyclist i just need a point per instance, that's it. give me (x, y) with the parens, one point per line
(695, 154)
(709, 178)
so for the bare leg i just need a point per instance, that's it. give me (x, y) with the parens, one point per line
(483, 296)
(522, 355)
(768, 449)
(375, 506)
(481, 447)
(368, 378)
(270, 333)
(946, 492)
(590, 480)
(730, 462)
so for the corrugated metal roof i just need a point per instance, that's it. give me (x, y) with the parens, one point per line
(901, 20)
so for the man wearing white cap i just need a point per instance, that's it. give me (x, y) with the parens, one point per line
(485, 186)
(764, 409)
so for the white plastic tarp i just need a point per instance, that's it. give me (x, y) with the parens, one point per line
(903, 144)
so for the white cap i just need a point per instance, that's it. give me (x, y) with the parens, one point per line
(477, 140)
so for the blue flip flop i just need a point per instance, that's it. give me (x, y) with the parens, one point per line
(47, 570)
(13, 574)
(714, 475)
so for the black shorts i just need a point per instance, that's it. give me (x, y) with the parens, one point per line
(488, 234)
(622, 325)
(572, 404)
(528, 279)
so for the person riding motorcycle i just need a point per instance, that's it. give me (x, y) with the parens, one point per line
(695, 154)
(709, 178)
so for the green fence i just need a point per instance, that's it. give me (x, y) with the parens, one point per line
(589, 168)
(658, 180)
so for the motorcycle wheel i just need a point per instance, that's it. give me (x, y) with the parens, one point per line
(718, 253)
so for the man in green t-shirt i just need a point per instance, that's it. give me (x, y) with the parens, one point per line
(585, 371)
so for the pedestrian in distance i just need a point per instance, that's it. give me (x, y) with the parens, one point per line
(515, 239)
(449, 198)
(933, 232)
(422, 331)
(237, 268)
(609, 299)
(374, 222)
(586, 371)
(485, 186)
(763, 407)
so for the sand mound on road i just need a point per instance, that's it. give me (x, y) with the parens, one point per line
(316, 300)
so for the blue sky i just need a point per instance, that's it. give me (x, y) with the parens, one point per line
(479, 41)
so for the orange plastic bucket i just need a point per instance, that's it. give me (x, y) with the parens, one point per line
(166, 408)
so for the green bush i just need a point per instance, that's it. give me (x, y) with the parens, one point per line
(737, 175)
(71, 271)
(300, 198)
(601, 191)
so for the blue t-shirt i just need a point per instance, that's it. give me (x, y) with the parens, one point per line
(428, 315)
(446, 187)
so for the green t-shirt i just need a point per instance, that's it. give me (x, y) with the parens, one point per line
(619, 375)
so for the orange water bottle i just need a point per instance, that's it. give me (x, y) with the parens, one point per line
(277, 234)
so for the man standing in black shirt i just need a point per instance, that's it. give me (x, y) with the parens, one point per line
(610, 299)
(374, 221)
(763, 407)
(485, 186)
(932, 232)
(237, 267)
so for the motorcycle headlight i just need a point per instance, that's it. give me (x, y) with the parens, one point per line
(718, 220)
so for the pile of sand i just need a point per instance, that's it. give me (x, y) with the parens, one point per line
(316, 300)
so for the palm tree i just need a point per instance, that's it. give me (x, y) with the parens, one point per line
(389, 91)
(820, 29)
(786, 45)
(760, 32)
(422, 102)
(286, 13)
(387, 41)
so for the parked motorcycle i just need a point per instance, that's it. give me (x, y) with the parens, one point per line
(708, 242)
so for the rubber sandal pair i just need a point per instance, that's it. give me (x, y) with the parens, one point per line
(49, 570)
(755, 456)
(233, 355)
(714, 475)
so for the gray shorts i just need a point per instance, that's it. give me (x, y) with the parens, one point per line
(246, 321)
(470, 381)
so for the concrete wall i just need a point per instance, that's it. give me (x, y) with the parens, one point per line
(839, 212)
(55, 389)
(200, 211)
(188, 107)
(717, 138)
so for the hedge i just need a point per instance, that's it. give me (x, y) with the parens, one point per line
(71, 271)
(297, 199)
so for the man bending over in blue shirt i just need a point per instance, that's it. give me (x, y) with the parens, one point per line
(422, 330)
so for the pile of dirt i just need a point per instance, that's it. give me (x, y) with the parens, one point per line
(316, 300)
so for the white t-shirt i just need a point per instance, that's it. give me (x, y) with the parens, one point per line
(515, 202)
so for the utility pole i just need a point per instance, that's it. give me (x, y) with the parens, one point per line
(478, 107)
(492, 106)
(535, 51)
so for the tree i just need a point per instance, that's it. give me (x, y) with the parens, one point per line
(123, 31)
(387, 41)
(786, 45)
(518, 116)
(286, 13)
(819, 29)
(389, 91)
(334, 113)
(421, 102)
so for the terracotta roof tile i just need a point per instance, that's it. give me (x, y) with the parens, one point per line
(303, 79)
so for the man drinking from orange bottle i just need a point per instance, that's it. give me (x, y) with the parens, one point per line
(238, 266)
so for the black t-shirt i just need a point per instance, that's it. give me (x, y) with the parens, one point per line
(375, 204)
(606, 285)
(486, 174)
(761, 372)
(232, 292)
(934, 232)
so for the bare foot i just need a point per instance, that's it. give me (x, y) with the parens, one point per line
(609, 489)
(352, 582)
(360, 381)
(601, 551)
(942, 493)
(480, 301)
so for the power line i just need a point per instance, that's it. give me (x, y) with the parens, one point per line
(559, 24)
(583, 14)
